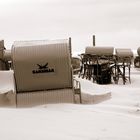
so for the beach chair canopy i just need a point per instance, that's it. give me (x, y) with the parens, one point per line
(122, 53)
(42, 65)
(100, 51)
(138, 51)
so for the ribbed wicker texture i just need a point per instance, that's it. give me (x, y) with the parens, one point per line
(99, 51)
(27, 56)
(1, 48)
(138, 51)
(7, 55)
(124, 53)
(1, 53)
(44, 97)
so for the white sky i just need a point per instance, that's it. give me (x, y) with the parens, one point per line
(114, 22)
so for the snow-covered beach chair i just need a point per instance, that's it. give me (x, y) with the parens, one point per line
(43, 72)
(123, 64)
(97, 64)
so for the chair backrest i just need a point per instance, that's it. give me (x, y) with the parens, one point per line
(2, 62)
(138, 51)
(42, 65)
(100, 51)
(124, 55)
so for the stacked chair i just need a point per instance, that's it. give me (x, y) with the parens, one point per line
(123, 64)
(102, 65)
(96, 64)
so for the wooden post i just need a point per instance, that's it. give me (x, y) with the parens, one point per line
(93, 40)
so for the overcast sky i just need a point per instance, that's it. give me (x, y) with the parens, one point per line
(114, 22)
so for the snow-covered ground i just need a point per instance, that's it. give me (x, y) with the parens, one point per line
(109, 112)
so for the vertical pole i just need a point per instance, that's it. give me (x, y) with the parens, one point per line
(93, 40)
(1, 48)
(129, 73)
(72, 81)
(1, 53)
(124, 78)
(70, 47)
